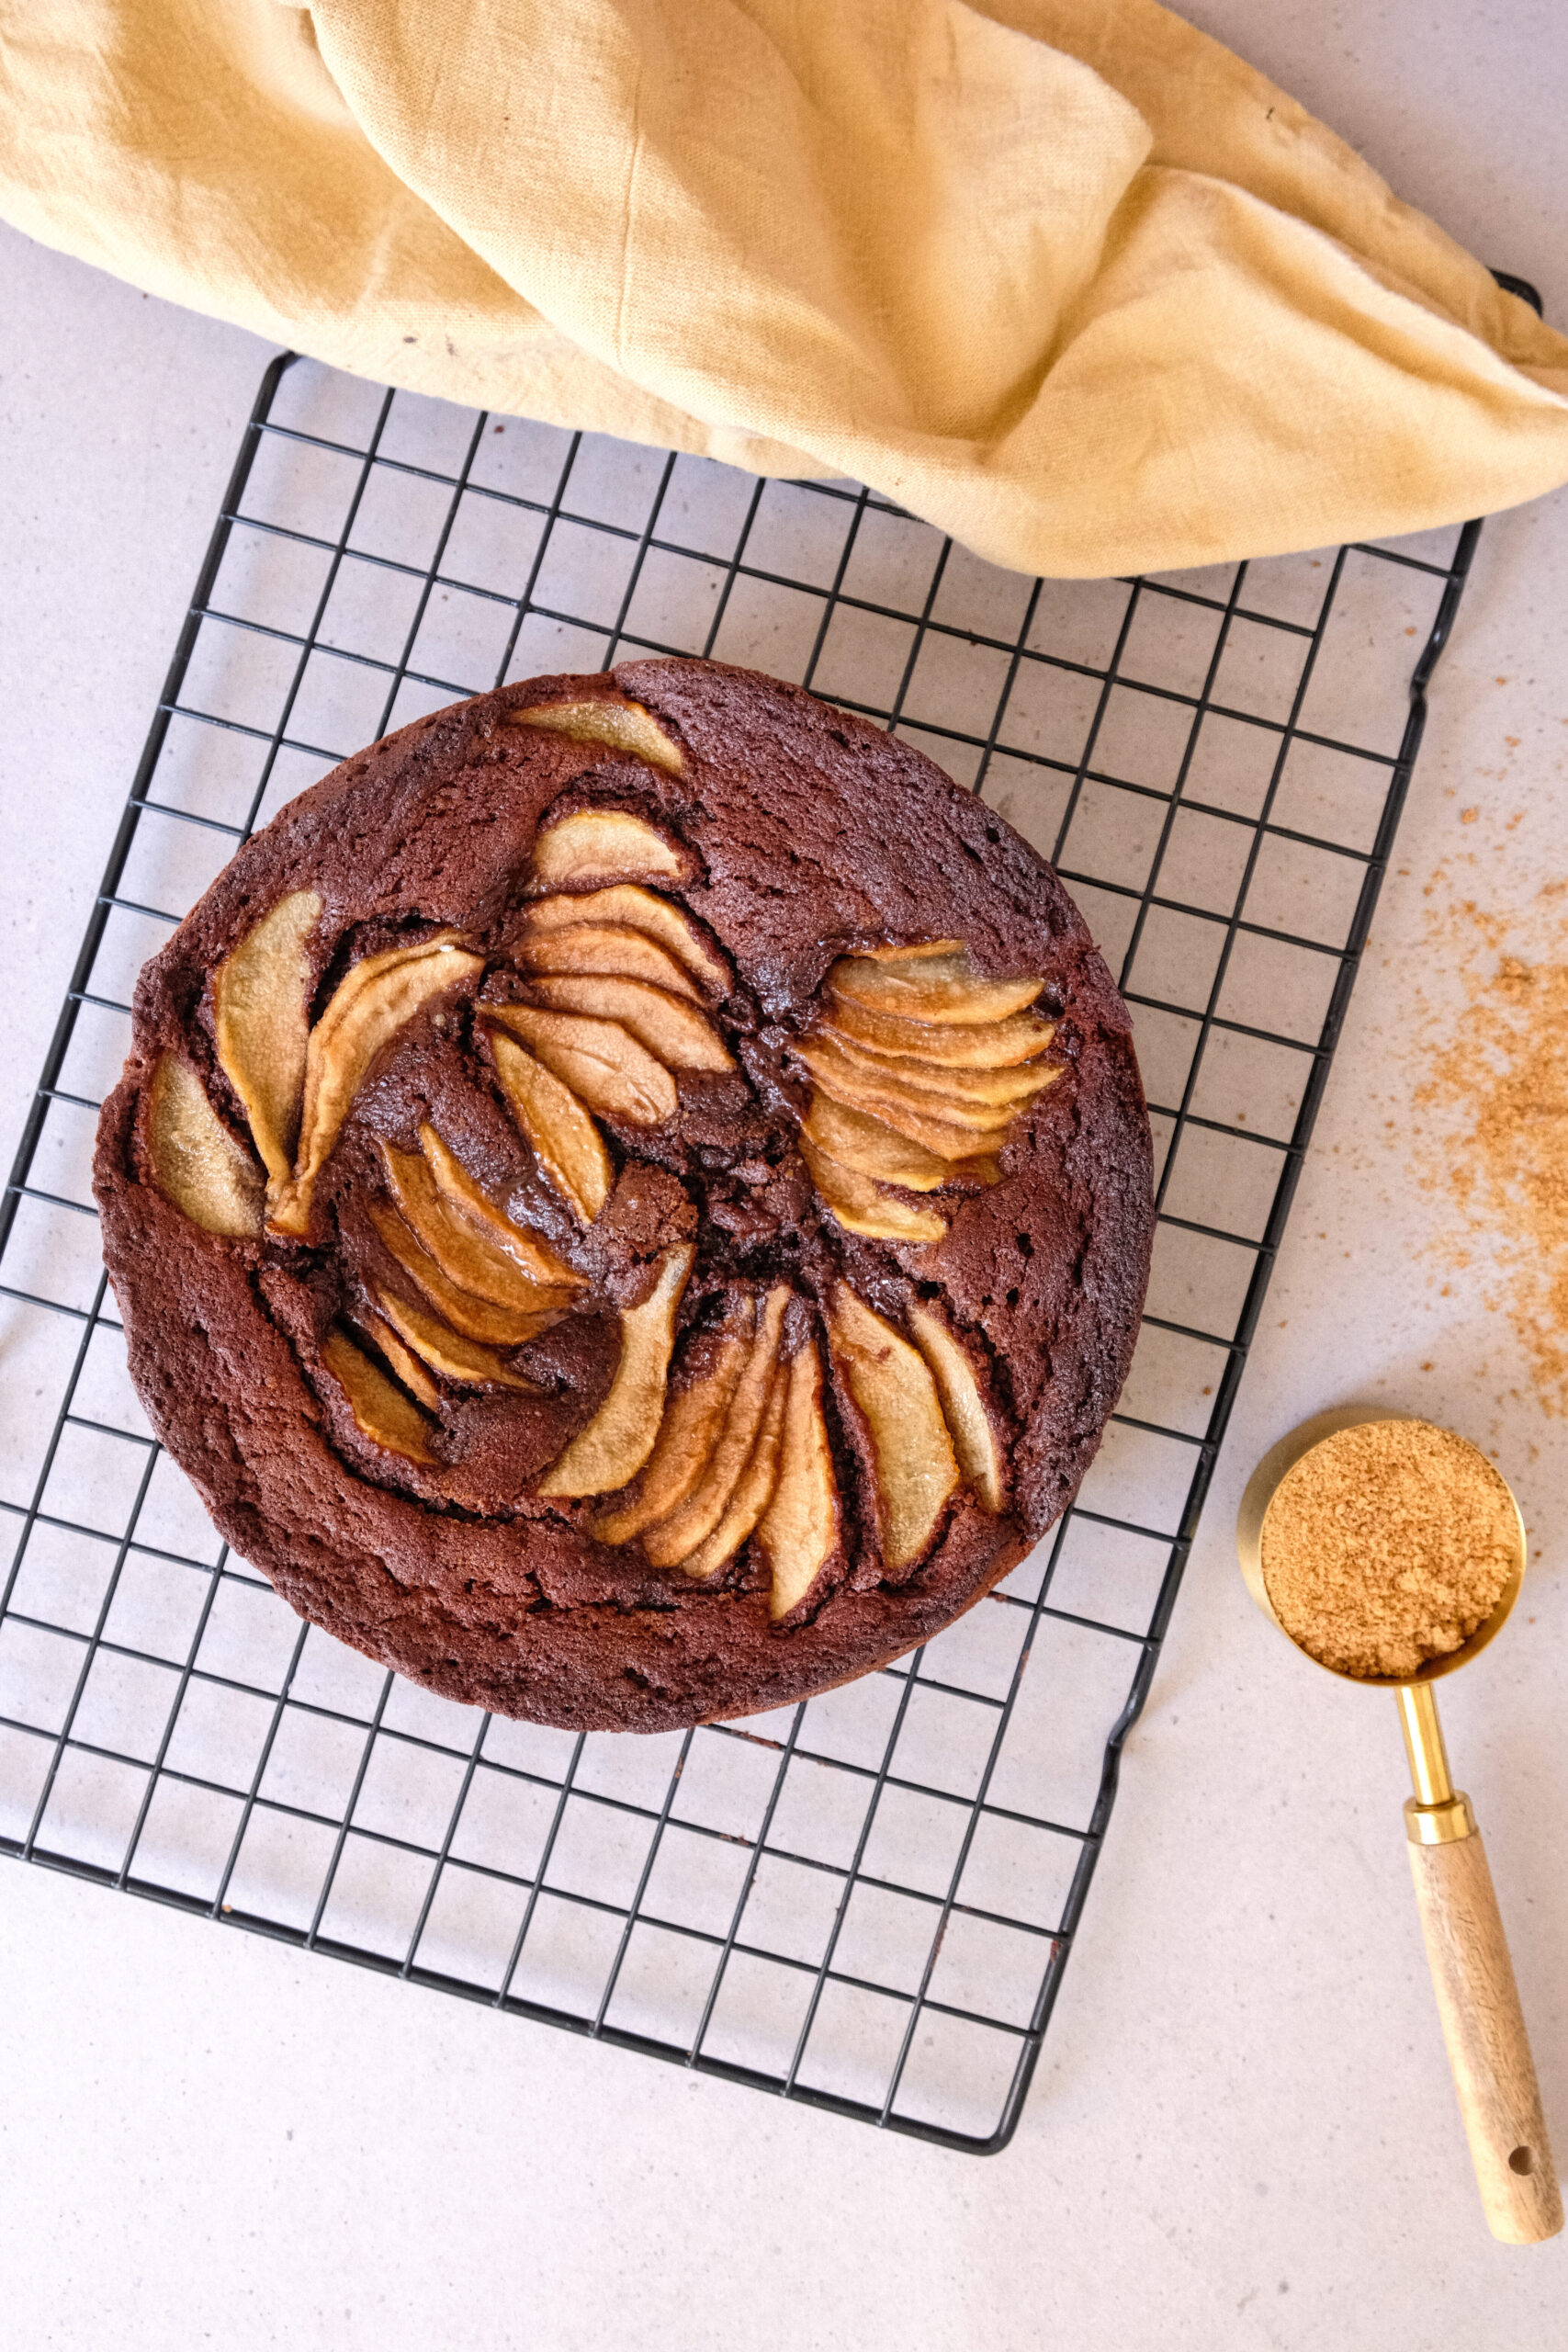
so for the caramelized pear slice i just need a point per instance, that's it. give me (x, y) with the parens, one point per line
(476, 1208)
(477, 1318)
(610, 1451)
(964, 1407)
(999, 1088)
(892, 1384)
(675, 1032)
(262, 1015)
(564, 1139)
(613, 948)
(798, 1533)
(915, 955)
(945, 990)
(446, 1351)
(602, 1063)
(753, 1488)
(370, 1004)
(466, 1256)
(405, 1364)
(847, 1081)
(625, 725)
(628, 907)
(960, 1146)
(860, 1207)
(209, 1177)
(697, 1517)
(870, 1147)
(690, 1428)
(1000, 1044)
(381, 1412)
(606, 845)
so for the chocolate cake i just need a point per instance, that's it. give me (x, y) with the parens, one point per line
(631, 1198)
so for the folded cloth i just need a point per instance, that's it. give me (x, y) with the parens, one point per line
(1063, 276)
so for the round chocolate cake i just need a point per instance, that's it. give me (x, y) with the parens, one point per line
(631, 1198)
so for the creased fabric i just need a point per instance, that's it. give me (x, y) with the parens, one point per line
(1067, 279)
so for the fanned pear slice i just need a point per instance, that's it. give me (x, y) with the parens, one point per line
(999, 1088)
(860, 1207)
(753, 1488)
(918, 953)
(474, 1205)
(960, 1146)
(999, 1044)
(672, 1538)
(209, 1177)
(404, 1363)
(871, 1148)
(942, 990)
(613, 948)
(476, 1319)
(964, 1407)
(606, 845)
(902, 1106)
(690, 1428)
(799, 1531)
(674, 1031)
(612, 1448)
(262, 1015)
(602, 1063)
(468, 1361)
(892, 1384)
(627, 905)
(370, 1004)
(466, 1256)
(625, 725)
(381, 1412)
(564, 1139)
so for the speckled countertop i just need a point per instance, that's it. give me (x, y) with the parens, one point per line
(1242, 2133)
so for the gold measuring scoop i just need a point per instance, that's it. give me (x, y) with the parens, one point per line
(1472, 1973)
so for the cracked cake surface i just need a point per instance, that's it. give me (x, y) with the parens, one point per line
(631, 1198)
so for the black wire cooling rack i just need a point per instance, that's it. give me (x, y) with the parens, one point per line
(865, 1902)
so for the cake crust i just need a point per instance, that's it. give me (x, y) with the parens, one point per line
(796, 837)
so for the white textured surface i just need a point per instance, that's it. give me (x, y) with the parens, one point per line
(1241, 2131)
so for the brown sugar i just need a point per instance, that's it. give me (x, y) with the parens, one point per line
(1386, 1545)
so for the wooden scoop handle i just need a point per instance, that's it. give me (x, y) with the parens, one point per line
(1484, 2028)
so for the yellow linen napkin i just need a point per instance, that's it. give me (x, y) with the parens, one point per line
(1063, 276)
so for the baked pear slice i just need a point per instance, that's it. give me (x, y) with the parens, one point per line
(628, 907)
(381, 1412)
(606, 845)
(615, 949)
(406, 1365)
(209, 1176)
(916, 1471)
(1008, 1089)
(800, 1530)
(692, 1424)
(370, 1004)
(872, 1147)
(466, 1254)
(563, 1139)
(669, 1540)
(625, 725)
(476, 1208)
(261, 1014)
(612, 1448)
(602, 1063)
(985, 1124)
(997, 1045)
(753, 1490)
(476, 1319)
(942, 990)
(674, 1030)
(860, 1207)
(963, 1406)
(467, 1362)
